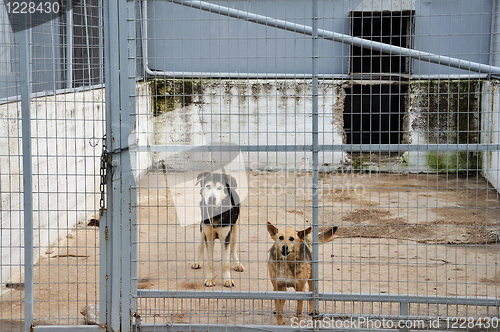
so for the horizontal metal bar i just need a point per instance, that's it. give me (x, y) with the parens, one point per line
(423, 77)
(340, 322)
(217, 148)
(338, 37)
(412, 299)
(238, 328)
(402, 79)
(343, 297)
(147, 293)
(211, 328)
(333, 147)
(410, 147)
(236, 75)
(69, 328)
(48, 93)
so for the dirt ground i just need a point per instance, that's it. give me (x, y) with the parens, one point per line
(407, 234)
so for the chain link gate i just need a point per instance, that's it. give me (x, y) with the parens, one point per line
(372, 136)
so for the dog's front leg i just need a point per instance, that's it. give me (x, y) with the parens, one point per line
(310, 302)
(226, 265)
(234, 253)
(209, 281)
(280, 306)
(300, 287)
(200, 251)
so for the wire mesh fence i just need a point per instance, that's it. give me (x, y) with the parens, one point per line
(416, 226)
(241, 154)
(61, 140)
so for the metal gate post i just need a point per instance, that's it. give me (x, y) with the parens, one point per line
(25, 80)
(404, 311)
(120, 115)
(315, 161)
(129, 55)
(110, 283)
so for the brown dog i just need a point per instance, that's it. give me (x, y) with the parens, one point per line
(290, 262)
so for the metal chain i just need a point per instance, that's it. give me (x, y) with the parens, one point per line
(103, 173)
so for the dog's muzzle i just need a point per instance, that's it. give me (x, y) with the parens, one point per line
(212, 200)
(284, 250)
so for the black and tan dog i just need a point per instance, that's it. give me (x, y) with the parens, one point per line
(220, 209)
(290, 262)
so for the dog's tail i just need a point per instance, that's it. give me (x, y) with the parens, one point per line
(325, 234)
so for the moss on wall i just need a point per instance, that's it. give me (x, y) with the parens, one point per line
(173, 93)
(448, 113)
(453, 161)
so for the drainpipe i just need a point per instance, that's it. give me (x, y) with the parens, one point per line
(495, 34)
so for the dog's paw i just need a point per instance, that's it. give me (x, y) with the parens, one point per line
(196, 266)
(239, 268)
(209, 282)
(228, 283)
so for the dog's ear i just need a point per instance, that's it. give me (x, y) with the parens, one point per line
(303, 233)
(231, 181)
(200, 177)
(272, 230)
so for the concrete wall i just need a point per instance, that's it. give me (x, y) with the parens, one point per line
(442, 112)
(65, 170)
(258, 112)
(261, 112)
(490, 130)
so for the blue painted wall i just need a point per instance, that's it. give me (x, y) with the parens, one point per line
(183, 39)
(459, 29)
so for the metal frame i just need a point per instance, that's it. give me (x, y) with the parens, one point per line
(25, 68)
(116, 281)
(353, 297)
(315, 148)
(116, 276)
(323, 147)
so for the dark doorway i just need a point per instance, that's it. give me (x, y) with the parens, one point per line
(373, 114)
(387, 27)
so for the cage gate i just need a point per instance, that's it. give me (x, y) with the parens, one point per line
(375, 138)
(230, 150)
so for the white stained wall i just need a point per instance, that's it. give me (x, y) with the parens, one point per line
(67, 131)
(65, 171)
(490, 130)
(259, 113)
